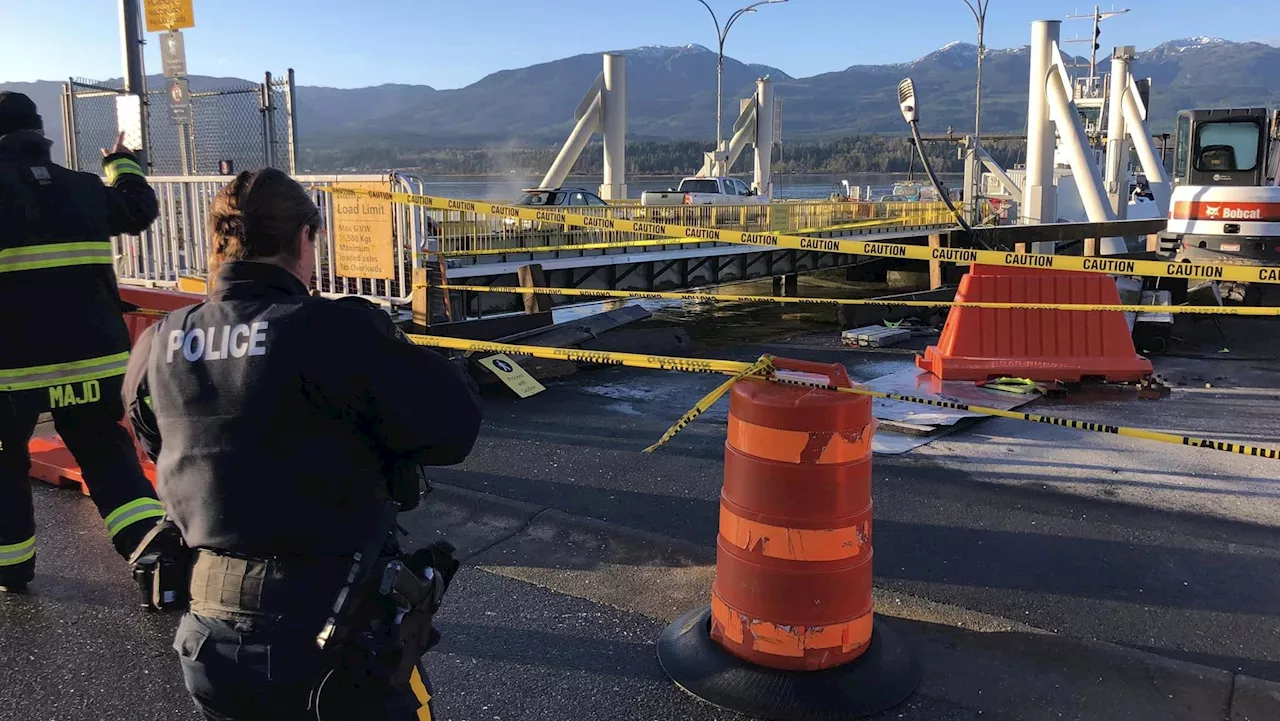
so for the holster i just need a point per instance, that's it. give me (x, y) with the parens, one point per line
(390, 629)
(161, 566)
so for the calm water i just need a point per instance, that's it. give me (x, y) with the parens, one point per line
(509, 188)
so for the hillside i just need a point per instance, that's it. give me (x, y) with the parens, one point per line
(672, 96)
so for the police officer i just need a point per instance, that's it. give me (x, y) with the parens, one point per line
(276, 419)
(63, 340)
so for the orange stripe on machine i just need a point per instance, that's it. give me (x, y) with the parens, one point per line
(1226, 211)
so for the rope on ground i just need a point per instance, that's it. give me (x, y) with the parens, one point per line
(744, 371)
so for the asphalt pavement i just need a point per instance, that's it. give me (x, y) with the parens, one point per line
(1020, 554)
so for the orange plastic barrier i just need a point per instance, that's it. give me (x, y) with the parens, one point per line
(51, 462)
(1043, 345)
(790, 631)
(793, 560)
(152, 299)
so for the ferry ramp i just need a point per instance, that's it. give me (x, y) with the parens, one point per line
(487, 248)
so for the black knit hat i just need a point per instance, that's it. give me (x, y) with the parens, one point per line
(17, 112)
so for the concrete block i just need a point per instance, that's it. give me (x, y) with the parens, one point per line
(874, 336)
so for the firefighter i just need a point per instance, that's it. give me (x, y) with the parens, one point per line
(63, 340)
(288, 430)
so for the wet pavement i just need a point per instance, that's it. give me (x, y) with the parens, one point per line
(1005, 527)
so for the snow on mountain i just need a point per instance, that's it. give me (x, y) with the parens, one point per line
(662, 53)
(1184, 44)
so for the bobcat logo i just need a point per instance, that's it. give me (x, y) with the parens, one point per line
(1212, 211)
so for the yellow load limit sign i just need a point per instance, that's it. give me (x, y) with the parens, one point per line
(165, 15)
(510, 372)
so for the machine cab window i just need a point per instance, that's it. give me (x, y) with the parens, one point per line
(1221, 147)
(1182, 147)
(1228, 147)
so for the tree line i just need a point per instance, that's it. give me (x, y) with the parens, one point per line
(853, 154)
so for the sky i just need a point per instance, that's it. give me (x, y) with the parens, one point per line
(453, 43)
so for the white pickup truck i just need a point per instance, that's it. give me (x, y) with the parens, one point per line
(705, 191)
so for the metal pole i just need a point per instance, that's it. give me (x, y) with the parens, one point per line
(614, 108)
(291, 108)
(69, 124)
(720, 38)
(973, 199)
(268, 122)
(972, 186)
(1117, 182)
(1039, 204)
(184, 151)
(719, 104)
(135, 78)
(764, 137)
(1093, 54)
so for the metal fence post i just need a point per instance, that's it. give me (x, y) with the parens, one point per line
(291, 108)
(268, 123)
(69, 125)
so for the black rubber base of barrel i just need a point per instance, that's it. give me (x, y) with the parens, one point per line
(883, 677)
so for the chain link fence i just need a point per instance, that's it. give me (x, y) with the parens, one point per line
(250, 126)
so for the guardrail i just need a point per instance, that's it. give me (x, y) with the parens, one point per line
(463, 232)
(177, 245)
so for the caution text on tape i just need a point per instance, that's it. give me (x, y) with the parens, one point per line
(729, 297)
(1110, 266)
(744, 371)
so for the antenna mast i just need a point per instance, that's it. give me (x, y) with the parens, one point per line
(1097, 17)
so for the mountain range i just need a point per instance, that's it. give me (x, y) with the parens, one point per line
(672, 96)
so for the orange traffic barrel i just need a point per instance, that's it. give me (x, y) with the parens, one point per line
(793, 557)
(1041, 344)
(790, 631)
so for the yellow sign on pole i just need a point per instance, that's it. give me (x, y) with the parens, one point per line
(509, 372)
(363, 242)
(165, 15)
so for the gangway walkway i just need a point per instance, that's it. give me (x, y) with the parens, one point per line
(481, 247)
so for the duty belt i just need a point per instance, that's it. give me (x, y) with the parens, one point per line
(238, 588)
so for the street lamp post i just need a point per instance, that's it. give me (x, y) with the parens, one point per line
(979, 10)
(720, 38)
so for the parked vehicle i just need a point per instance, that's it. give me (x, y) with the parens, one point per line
(559, 197)
(1226, 195)
(704, 191)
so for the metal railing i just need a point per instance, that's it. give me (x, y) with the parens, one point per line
(178, 244)
(464, 232)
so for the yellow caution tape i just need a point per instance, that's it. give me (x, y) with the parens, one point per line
(635, 243)
(738, 368)
(668, 295)
(764, 365)
(1110, 266)
(569, 246)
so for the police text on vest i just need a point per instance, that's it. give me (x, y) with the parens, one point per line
(219, 343)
